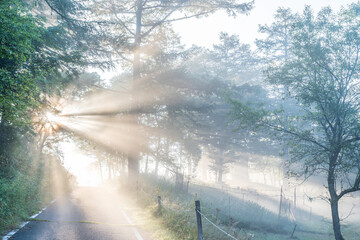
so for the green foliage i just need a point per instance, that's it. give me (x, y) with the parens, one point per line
(323, 77)
(15, 151)
(33, 61)
(246, 114)
(276, 45)
(19, 198)
(19, 34)
(321, 74)
(233, 61)
(18, 94)
(28, 191)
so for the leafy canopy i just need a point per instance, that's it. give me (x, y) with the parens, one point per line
(19, 34)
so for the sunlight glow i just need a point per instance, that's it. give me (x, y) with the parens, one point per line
(51, 117)
(80, 165)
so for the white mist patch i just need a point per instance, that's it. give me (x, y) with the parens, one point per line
(80, 165)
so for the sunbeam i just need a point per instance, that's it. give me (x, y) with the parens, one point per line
(114, 126)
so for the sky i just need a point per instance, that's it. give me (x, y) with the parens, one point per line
(204, 32)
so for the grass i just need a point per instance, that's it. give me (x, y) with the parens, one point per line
(18, 199)
(247, 220)
(25, 193)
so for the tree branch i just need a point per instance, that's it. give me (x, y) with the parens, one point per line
(301, 137)
(354, 188)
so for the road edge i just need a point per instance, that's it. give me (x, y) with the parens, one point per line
(23, 224)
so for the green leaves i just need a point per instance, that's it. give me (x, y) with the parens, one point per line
(246, 114)
(18, 93)
(320, 77)
(19, 34)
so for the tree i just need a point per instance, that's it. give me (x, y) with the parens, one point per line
(137, 21)
(230, 67)
(278, 40)
(36, 60)
(84, 36)
(323, 77)
(233, 61)
(33, 64)
(19, 36)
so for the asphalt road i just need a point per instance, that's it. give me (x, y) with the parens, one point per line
(88, 213)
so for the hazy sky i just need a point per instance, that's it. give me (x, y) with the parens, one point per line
(205, 32)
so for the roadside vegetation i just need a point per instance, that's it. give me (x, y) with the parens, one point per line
(31, 70)
(25, 193)
(176, 218)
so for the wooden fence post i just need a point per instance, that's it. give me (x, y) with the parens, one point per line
(198, 220)
(159, 204)
(295, 198)
(281, 196)
(292, 234)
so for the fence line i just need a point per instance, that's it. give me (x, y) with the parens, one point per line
(216, 226)
(184, 209)
(162, 204)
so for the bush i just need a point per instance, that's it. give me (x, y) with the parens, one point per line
(24, 194)
(18, 199)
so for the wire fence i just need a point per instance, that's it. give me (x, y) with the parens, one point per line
(267, 207)
(254, 206)
(216, 226)
(168, 207)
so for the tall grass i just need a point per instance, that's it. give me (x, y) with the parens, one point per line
(25, 192)
(178, 212)
(19, 197)
(244, 219)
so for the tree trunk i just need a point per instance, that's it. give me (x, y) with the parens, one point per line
(334, 198)
(133, 157)
(43, 138)
(109, 169)
(101, 173)
(123, 164)
(334, 203)
(156, 167)
(146, 164)
(179, 181)
(157, 156)
(133, 168)
(335, 219)
(220, 174)
(189, 167)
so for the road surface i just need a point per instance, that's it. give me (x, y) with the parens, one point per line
(88, 213)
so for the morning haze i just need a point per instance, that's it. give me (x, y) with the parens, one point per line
(196, 119)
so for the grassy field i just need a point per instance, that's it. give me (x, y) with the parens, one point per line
(244, 220)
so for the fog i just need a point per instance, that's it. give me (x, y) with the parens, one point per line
(265, 134)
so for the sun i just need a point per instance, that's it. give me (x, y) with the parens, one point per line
(51, 117)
